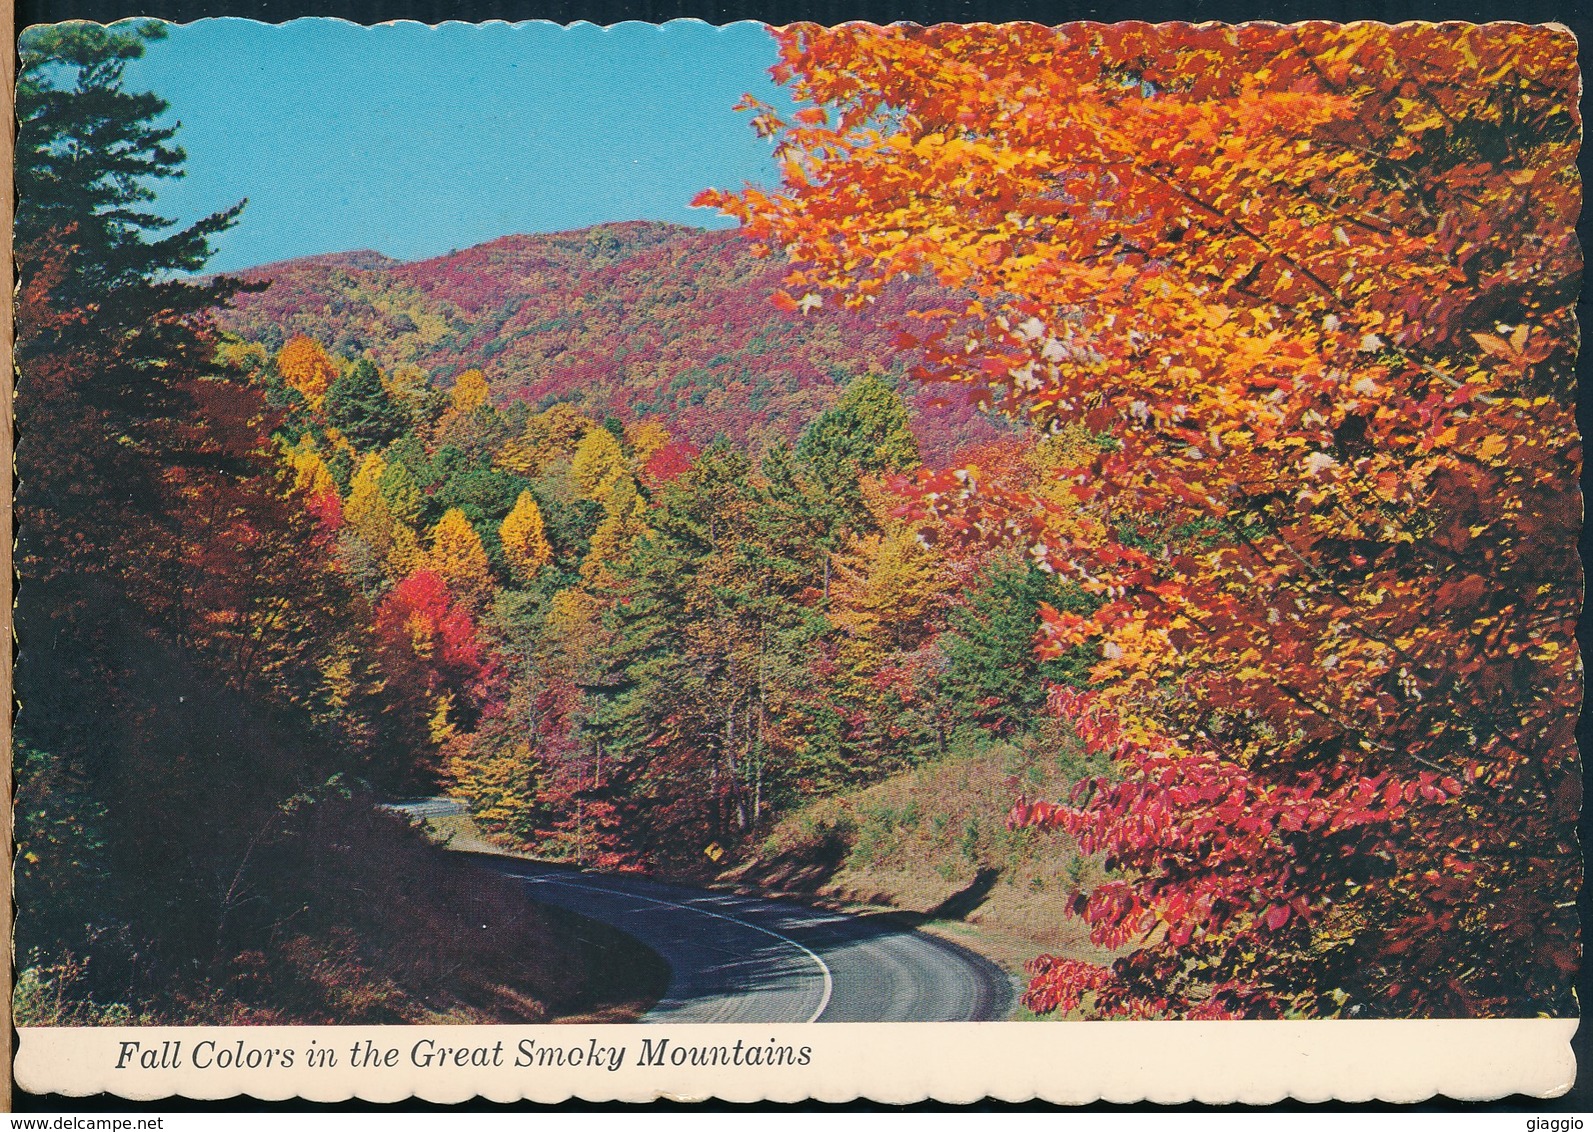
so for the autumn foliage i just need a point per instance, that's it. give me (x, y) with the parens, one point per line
(639, 319)
(209, 708)
(1312, 289)
(1199, 394)
(524, 542)
(305, 366)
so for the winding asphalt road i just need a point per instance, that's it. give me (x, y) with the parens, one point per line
(746, 959)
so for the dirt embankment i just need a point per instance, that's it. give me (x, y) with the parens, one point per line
(362, 921)
(512, 960)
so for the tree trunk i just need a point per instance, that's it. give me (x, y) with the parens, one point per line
(738, 802)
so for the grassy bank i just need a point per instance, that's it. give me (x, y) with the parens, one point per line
(932, 843)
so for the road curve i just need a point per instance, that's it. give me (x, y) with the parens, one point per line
(746, 959)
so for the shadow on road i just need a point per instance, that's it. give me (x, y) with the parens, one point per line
(961, 905)
(956, 907)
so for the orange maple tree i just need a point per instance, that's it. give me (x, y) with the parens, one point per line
(1312, 289)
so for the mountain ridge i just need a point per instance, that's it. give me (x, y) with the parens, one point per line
(634, 319)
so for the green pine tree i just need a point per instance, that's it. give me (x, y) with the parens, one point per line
(866, 433)
(707, 697)
(358, 405)
(992, 674)
(86, 150)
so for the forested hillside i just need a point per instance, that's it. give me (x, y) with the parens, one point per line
(204, 724)
(629, 650)
(635, 319)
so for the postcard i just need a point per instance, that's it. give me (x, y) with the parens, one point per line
(558, 561)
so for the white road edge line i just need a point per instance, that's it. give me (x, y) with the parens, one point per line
(829, 982)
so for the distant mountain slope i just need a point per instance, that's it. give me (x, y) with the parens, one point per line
(635, 319)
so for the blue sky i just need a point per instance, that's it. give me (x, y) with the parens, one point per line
(415, 140)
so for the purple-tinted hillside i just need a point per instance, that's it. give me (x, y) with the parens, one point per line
(635, 319)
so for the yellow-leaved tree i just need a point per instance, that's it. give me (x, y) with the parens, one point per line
(624, 521)
(470, 391)
(458, 558)
(576, 642)
(549, 436)
(525, 543)
(366, 511)
(305, 366)
(310, 474)
(503, 782)
(598, 464)
(408, 385)
(645, 437)
(405, 554)
(887, 589)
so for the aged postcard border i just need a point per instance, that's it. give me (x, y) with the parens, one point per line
(1406, 1061)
